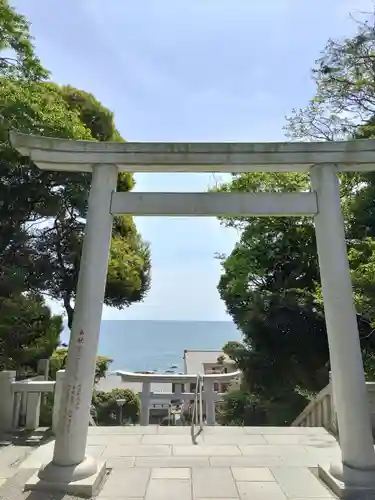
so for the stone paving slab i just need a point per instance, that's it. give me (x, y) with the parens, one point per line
(321, 440)
(260, 491)
(169, 489)
(173, 430)
(206, 450)
(129, 439)
(168, 439)
(170, 473)
(273, 450)
(120, 462)
(172, 462)
(128, 482)
(213, 482)
(126, 430)
(161, 463)
(303, 431)
(250, 461)
(118, 450)
(262, 474)
(235, 439)
(299, 482)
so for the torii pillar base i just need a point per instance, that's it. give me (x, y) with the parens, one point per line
(84, 479)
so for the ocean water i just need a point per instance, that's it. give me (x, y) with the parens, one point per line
(157, 345)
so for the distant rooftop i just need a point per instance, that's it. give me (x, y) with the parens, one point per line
(195, 360)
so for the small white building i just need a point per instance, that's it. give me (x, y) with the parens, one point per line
(208, 362)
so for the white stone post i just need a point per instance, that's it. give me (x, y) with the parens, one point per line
(43, 368)
(145, 403)
(69, 461)
(178, 390)
(16, 410)
(209, 397)
(57, 398)
(7, 400)
(350, 395)
(33, 410)
(333, 413)
(23, 409)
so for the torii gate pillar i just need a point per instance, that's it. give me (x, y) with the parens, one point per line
(357, 467)
(71, 470)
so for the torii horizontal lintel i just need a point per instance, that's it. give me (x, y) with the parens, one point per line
(69, 155)
(215, 204)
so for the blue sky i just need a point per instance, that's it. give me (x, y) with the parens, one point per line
(188, 70)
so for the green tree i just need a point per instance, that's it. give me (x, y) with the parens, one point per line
(107, 410)
(97, 118)
(42, 213)
(28, 332)
(18, 58)
(344, 107)
(59, 358)
(232, 410)
(270, 281)
(128, 277)
(268, 286)
(60, 244)
(344, 102)
(50, 255)
(29, 196)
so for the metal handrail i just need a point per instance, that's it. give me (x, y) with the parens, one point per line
(197, 419)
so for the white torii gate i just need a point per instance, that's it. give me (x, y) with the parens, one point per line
(70, 469)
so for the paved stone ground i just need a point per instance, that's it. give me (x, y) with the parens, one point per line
(161, 463)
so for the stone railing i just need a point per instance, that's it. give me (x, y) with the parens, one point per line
(319, 412)
(180, 383)
(21, 400)
(27, 398)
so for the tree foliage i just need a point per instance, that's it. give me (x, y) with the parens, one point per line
(268, 286)
(61, 199)
(107, 409)
(59, 358)
(28, 329)
(42, 214)
(270, 281)
(18, 59)
(344, 108)
(28, 332)
(97, 118)
(344, 102)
